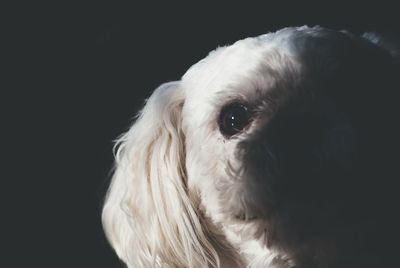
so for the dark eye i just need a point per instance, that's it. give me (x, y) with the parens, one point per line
(233, 119)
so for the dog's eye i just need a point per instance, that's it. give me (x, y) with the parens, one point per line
(233, 119)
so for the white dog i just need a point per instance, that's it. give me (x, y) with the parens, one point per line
(272, 152)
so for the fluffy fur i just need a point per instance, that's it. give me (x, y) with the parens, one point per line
(310, 181)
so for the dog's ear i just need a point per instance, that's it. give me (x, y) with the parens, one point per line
(149, 217)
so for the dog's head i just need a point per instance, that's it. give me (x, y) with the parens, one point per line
(286, 139)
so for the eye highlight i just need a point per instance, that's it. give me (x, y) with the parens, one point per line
(233, 119)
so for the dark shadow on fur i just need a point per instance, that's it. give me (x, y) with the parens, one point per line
(323, 171)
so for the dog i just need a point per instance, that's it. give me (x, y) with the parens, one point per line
(277, 151)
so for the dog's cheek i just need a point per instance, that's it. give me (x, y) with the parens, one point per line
(205, 165)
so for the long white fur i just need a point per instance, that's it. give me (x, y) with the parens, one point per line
(148, 217)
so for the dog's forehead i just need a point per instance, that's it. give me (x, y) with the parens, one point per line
(255, 68)
(295, 45)
(227, 66)
(244, 70)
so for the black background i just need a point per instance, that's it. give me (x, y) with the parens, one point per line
(80, 72)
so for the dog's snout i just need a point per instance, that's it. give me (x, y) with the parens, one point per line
(300, 154)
